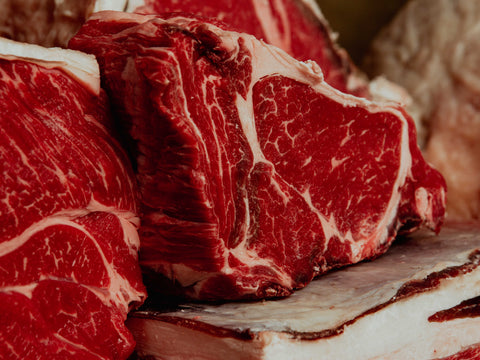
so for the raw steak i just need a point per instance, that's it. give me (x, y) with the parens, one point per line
(419, 301)
(68, 237)
(295, 26)
(255, 174)
(432, 48)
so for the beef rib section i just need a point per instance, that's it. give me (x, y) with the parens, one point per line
(69, 268)
(255, 174)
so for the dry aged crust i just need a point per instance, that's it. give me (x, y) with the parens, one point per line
(466, 309)
(409, 289)
(197, 325)
(423, 274)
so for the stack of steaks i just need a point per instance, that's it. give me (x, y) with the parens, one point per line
(228, 151)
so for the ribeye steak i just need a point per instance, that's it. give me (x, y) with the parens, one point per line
(256, 175)
(68, 225)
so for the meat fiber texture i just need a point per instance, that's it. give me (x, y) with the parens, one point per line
(255, 174)
(432, 49)
(69, 268)
(296, 26)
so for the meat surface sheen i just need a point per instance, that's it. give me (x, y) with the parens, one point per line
(296, 26)
(68, 236)
(255, 174)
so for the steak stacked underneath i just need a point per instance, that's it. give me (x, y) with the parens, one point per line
(68, 240)
(255, 174)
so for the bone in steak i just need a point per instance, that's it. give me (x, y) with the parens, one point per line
(419, 301)
(255, 174)
(295, 26)
(432, 48)
(69, 268)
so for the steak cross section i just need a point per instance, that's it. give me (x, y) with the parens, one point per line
(69, 268)
(255, 174)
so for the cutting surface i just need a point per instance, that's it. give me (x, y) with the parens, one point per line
(341, 296)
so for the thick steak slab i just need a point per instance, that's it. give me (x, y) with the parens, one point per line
(68, 203)
(256, 175)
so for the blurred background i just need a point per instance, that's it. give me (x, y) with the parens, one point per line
(357, 21)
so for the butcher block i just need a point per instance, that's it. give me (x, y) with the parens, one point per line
(421, 300)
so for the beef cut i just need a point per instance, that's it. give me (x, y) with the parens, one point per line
(255, 174)
(419, 301)
(295, 26)
(69, 268)
(432, 49)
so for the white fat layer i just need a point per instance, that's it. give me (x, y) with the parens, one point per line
(340, 296)
(159, 338)
(26, 290)
(116, 5)
(402, 330)
(80, 66)
(269, 23)
(398, 331)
